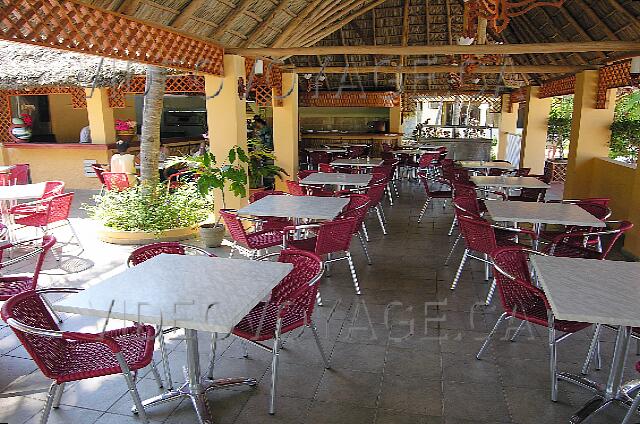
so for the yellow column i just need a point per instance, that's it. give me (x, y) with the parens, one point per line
(226, 119)
(101, 119)
(395, 119)
(534, 135)
(590, 134)
(286, 130)
(508, 125)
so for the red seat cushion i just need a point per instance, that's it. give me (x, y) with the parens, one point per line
(260, 323)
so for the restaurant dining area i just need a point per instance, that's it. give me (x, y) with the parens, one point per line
(319, 211)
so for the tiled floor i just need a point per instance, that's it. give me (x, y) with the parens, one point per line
(402, 352)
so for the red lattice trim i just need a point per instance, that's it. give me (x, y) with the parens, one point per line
(264, 86)
(559, 87)
(359, 99)
(174, 84)
(612, 76)
(517, 96)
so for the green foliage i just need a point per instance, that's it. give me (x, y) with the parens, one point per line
(153, 209)
(261, 164)
(560, 122)
(625, 129)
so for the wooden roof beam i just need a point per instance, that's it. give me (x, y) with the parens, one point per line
(295, 23)
(634, 21)
(266, 23)
(128, 7)
(230, 18)
(437, 69)
(595, 18)
(186, 13)
(449, 32)
(573, 23)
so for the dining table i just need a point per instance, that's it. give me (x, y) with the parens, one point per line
(327, 149)
(508, 182)
(10, 194)
(195, 293)
(358, 162)
(597, 292)
(486, 165)
(337, 179)
(296, 207)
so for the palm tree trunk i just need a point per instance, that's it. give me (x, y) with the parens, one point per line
(151, 115)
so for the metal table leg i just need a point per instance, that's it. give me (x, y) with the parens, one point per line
(195, 388)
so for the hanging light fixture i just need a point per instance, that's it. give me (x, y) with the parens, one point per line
(258, 67)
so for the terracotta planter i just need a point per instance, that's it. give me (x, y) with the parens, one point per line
(212, 234)
(144, 237)
(126, 136)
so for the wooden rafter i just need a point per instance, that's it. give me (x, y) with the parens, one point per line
(435, 69)
(575, 24)
(595, 18)
(520, 25)
(128, 7)
(374, 40)
(257, 31)
(239, 9)
(405, 39)
(449, 32)
(632, 19)
(337, 14)
(295, 23)
(326, 14)
(186, 13)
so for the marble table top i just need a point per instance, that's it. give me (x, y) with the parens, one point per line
(337, 179)
(511, 182)
(23, 191)
(479, 164)
(591, 290)
(363, 162)
(303, 207)
(186, 291)
(542, 213)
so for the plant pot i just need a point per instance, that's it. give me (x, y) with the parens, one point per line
(144, 237)
(212, 234)
(126, 135)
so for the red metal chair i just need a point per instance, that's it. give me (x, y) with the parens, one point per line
(574, 244)
(330, 237)
(304, 173)
(325, 167)
(270, 222)
(10, 285)
(98, 169)
(530, 195)
(375, 192)
(49, 214)
(289, 307)
(354, 152)
(357, 208)
(597, 207)
(522, 300)
(248, 243)
(20, 174)
(634, 405)
(67, 356)
(51, 188)
(317, 157)
(432, 194)
(116, 181)
(296, 189)
(522, 172)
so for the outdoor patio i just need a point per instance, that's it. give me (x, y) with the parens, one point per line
(402, 352)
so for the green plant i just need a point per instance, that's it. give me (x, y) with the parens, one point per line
(151, 210)
(625, 129)
(560, 117)
(261, 164)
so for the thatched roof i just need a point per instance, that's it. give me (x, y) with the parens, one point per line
(24, 66)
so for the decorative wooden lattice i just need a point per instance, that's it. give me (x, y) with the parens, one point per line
(78, 101)
(174, 84)
(264, 86)
(559, 87)
(345, 99)
(77, 27)
(612, 76)
(517, 96)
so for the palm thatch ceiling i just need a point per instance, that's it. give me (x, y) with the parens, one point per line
(297, 23)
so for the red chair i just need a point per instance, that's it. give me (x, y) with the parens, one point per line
(432, 194)
(317, 157)
(270, 222)
(20, 174)
(304, 173)
(10, 285)
(574, 244)
(116, 181)
(99, 171)
(49, 214)
(51, 188)
(330, 237)
(522, 172)
(67, 356)
(597, 207)
(375, 192)
(325, 167)
(530, 195)
(289, 307)
(296, 189)
(248, 243)
(522, 300)
(354, 152)
(357, 208)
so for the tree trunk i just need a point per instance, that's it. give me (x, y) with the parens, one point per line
(151, 115)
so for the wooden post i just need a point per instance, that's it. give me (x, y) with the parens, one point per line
(590, 134)
(534, 135)
(101, 119)
(395, 119)
(508, 125)
(226, 119)
(286, 130)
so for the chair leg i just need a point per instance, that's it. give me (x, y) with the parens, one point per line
(453, 248)
(58, 396)
(486, 267)
(553, 358)
(460, 268)
(632, 410)
(48, 403)
(214, 345)
(379, 212)
(327, 266)
(165, 358)
(365, 232)
(315, 336)
(389, 194)
(453, 225)
(75, 236)
(384, 217)
(274, 367)
(363, 242)
(595, 341)
(488, 339)
(246, 350)
(492, 290)
(518, 330)
(424, 210)
(318, 298)
(156, 375)
(137, 402)
(353, 272)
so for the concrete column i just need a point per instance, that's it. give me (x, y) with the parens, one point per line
(395, 119)
(508, 125)
(286, 130)
(226, 119)
(534, 135)
(590, 135)
(101, 118)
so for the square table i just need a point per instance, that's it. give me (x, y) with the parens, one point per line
(337, 179)
(509, 182)
(598, 292)
(297, 207)
(192, 292)
(359, 162)
(12, 193)
(480, 164)
(542, 213)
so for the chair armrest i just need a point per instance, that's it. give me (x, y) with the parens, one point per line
(532, 234)
(94, 338)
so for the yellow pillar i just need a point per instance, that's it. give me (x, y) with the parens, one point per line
(286, 130)
(508, 125)
(395, 119)
(534, 135)
(101, 119)
(590, 134)
(226, 119)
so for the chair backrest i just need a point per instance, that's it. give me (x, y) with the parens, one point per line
(595, 207)
(335, 236)
(20, 174)
(58, 208)
(357, 208)
(386, 147)
(573, 244)
(325, 167)
(375, 192)
(304, 173)
(297, 291)
(295, 189)
(428, 159)
(385, 170)
(264, 193)
(52, 188)
(116, 180)
(478, 234)
(318, 157)
(354, 152)
(234, 226)
(144, 253)
(533, 194)
(522, 172)
(48, 242)
(387, 155)
(98, 170)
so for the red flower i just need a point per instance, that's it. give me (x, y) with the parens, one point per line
(26, 118)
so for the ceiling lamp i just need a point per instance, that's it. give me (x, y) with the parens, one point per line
(465, 41)
(258, 67)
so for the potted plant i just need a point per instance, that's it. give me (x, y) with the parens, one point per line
(261, 166)
(212, 176)
(125, 130)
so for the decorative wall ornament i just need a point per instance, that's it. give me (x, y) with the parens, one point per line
(137, 84)
(517, 96)
(558, 87)
(355, 98)
(500, 12)
(611, 76)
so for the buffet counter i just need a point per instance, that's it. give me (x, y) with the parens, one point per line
(320, 138)
(463, 148)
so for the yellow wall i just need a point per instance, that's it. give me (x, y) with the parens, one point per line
(615, 180)
(534, 134)
(286, 131)
(508, 125)
(395, 119)
(128, 112)
(66, 122)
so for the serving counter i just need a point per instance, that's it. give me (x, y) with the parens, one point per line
(375, 140)
(462, 148)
